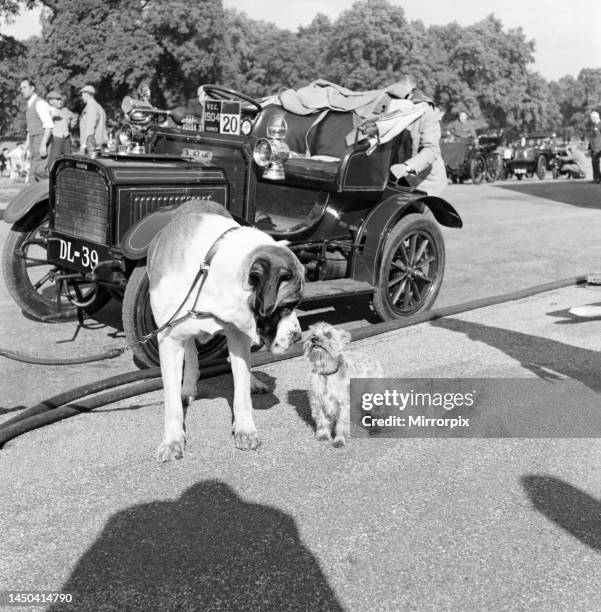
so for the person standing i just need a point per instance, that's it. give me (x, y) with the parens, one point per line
(594, 144)
(39, 130)
(64, 122)
(92, 121)
(463, 129)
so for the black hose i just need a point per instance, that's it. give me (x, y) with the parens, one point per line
(61, 406)
(16, 356)
(33, 420)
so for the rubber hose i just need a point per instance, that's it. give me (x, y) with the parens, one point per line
(16, 356)
(51, 410)
(49, 416)
(88, 389)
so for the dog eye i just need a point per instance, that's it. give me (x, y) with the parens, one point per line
(328, 334)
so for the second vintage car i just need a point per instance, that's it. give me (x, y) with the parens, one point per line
(82, 237)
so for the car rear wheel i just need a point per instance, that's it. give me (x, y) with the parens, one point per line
(477, 169)
(541, 167)
(138, 321)
(494, 168)
(411, 270)
(31, 280)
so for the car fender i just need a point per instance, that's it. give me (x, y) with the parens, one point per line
(138, 237)
(372, 236)
(25, 200)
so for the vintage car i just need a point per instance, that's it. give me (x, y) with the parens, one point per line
(82, 237)
(535, 154)
(476, 159)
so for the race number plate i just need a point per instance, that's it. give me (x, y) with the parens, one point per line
(222, 117)
(75, 253)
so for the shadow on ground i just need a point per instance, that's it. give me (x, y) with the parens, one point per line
(577, 192)
(568, 507)
(207, 550)
(542, 356)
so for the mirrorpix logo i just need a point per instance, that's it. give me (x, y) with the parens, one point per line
(420, 409)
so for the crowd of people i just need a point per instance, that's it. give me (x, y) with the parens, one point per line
(52, 131)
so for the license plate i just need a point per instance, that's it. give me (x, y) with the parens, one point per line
(520, 171)
(222, 117)
(75, 253)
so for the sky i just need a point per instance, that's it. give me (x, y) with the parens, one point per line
(567, 32)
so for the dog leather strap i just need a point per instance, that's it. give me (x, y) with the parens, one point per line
(203, 270)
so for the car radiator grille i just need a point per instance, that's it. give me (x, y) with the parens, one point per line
(81, 204)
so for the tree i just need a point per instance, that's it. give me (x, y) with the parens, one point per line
(12, 64)
(370, 45)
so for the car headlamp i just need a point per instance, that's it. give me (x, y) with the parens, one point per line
(270, 153)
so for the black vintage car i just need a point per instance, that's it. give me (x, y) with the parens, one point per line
(474, 158)
(535, 154)
(82, 238)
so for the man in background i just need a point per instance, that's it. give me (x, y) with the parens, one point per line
(92, 121)
(574, 163)
(64, 122)
(39, 130)
(594, 144)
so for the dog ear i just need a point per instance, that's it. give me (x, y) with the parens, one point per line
(265, 287)
(345, 337)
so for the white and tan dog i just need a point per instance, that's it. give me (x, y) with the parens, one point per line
(251, 291)
(334, 364)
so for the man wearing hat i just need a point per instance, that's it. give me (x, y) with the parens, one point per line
(64, 122)
(92, 121)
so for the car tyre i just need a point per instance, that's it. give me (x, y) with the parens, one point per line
(411, 269)
(477, 169)
(138, 321)
(541, 167)
(30, 279)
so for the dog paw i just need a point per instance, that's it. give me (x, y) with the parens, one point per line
(256, 386)
(187, 400)
(323, 435)
(247, 441)
(339, 442)
(169, 451)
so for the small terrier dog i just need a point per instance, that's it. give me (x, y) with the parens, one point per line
(334, 364)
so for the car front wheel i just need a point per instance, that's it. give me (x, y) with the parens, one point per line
(477, 169)
(32, 281)
(138, 321)
(412, 268)
(541, 167)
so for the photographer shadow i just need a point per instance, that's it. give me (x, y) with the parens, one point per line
(207, 550)
(568, 507)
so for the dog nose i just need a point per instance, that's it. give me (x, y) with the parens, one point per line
(313, 339)
(296, 336)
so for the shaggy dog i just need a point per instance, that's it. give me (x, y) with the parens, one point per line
(334, 364)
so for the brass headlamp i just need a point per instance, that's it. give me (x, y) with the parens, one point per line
(270, 153)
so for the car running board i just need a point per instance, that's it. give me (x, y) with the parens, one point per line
(338, 288)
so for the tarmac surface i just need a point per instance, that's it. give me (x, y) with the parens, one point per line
(384, 524)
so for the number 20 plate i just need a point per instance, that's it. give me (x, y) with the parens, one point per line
(75, 253)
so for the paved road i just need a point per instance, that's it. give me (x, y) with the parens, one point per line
(383, 524)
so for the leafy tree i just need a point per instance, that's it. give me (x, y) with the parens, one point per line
(12, 64)
(370, 45)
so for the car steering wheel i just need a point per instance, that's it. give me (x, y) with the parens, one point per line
(222, 93)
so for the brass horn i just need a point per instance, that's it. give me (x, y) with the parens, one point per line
(136, 109)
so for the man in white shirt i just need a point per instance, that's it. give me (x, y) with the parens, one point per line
(39, 130)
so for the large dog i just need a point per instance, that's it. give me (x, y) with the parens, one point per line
(250, 293)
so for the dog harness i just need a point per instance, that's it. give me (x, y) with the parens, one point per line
(199, 280)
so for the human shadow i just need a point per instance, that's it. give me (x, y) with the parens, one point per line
(207, 550)
(541, 356)
(568, 507)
